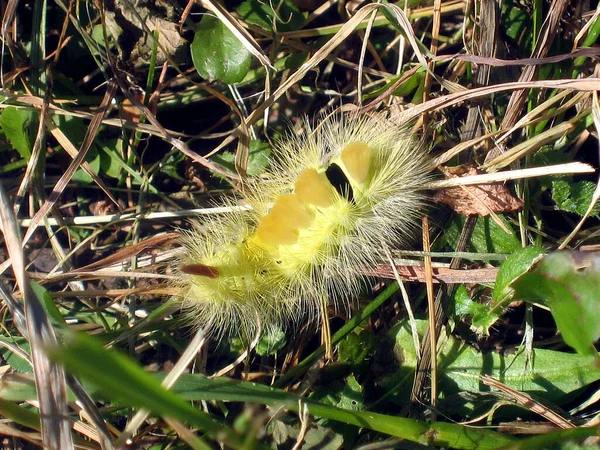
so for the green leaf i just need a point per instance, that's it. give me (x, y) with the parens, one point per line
(568, 282)
(14, 360)
(12, 123)
(75, 129)
(112, 164)
(513, 267)
(56, 318)
(352, 395)
(553, 376)
(345, 393)
(198, 387)
(286, 16)
(110, 160)
(357, 347)
(93, 159)
(272, 342)
(411, 86)
(516, 22)
(217, 54)
(488, 237)
(258, 159)
(482, 315)
(19, 414)
(574, 197)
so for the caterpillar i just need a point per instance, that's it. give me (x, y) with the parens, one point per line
(333, 198)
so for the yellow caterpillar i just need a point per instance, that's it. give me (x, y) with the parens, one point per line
(333, 199)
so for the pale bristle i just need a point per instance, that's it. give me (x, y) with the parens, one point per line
(276, 264)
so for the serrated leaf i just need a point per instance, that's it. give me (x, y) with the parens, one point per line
(356, 347)
(12, 359)
(12, 122)
(514, 266)
(482, 315)
(272, 342)
(217, 54)
(574, 197)
(568, 282)
(488, 236)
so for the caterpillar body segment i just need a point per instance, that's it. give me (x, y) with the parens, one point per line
(332, 200)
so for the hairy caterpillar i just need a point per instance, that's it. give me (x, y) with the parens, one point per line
(332, 200)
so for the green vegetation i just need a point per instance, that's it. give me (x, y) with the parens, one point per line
(121, 121)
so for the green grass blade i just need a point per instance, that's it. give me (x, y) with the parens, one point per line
(123, 380)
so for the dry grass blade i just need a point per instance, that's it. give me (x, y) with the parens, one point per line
(150, 290)
(36, 152)
(528, 402)
(542, 46)
(101, 431)
(411, 315)
(448, 8)
(50, 378)
(167, 136)
(64, 141)
(585, 29)
(530, 145)
(8, 17)
(70, 171)
(346, 30)
(103, 274)
(445, 101)
(497, 62)
(33, 438)
(435, 33)
(461, 147)
(439, 274)
(540, 112)
(559, 169)
(432, 325)
(111, 218)
(129, 252)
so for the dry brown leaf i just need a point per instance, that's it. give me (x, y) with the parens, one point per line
(130, 251)
(480, 199)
